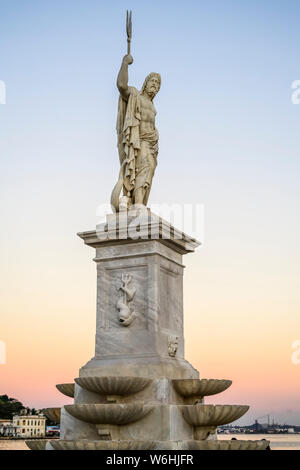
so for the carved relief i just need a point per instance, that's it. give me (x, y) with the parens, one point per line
(127, 315)
(104, 434)
(172, 345)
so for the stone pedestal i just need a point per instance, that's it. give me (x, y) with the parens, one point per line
(138, 391)
(148, 251)
(152, 344)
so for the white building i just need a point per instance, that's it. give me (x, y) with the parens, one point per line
(29, 426)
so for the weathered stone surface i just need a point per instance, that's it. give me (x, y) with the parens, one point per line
(103, 445)
(135, 391)
(109, 414)
(72, 428)
(212, 415)
(137, 139)
(113, 385)
(159, 445)
(36, 444)
(164, 422)
(152, 366)
(153, 344)
(138, 227)
(200, 388)
(66, 389)
(48, 445)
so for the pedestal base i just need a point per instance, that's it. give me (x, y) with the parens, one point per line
(139, 392)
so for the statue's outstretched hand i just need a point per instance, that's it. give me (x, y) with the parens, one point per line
(128, 59)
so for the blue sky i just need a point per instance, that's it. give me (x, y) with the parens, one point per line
(227, 68)
(229, 138)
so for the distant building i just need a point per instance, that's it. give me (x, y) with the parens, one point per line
(25, 426)
(4, 424)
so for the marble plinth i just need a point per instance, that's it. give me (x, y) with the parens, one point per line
(139, 391)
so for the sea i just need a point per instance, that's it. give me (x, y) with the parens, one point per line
(278, 441)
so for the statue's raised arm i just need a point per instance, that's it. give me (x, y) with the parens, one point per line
(122, 81)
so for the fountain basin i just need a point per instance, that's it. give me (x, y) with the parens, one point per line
(212, 415)
(102, 445)
(66, 389)
(36, 444)
(118, 414)
(200, 387)
(113, 385)
(53, 414)
(228, 445)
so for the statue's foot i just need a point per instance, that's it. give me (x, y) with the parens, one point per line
(124, 204)
(138, 207)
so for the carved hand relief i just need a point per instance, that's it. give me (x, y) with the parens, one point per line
(172, 345)
(127, 314)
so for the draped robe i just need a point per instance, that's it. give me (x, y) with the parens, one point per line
(138, 150)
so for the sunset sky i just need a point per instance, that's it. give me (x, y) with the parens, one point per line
(229, 139)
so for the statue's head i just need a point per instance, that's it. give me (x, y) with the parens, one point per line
(152, 84)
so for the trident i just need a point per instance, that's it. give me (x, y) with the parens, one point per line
(129, 29)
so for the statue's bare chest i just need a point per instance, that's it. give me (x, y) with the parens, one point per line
(148, 111)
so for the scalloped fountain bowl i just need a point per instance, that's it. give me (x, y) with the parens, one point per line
(66, 389)
(53, 414)
(36, 444)
(118, 414)
(200, 387)
(102, 445)
(212, 415)
(228, 445)
(113, 385)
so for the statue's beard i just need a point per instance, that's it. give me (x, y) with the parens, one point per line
(151, 92)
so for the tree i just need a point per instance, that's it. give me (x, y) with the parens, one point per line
(9, 407)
